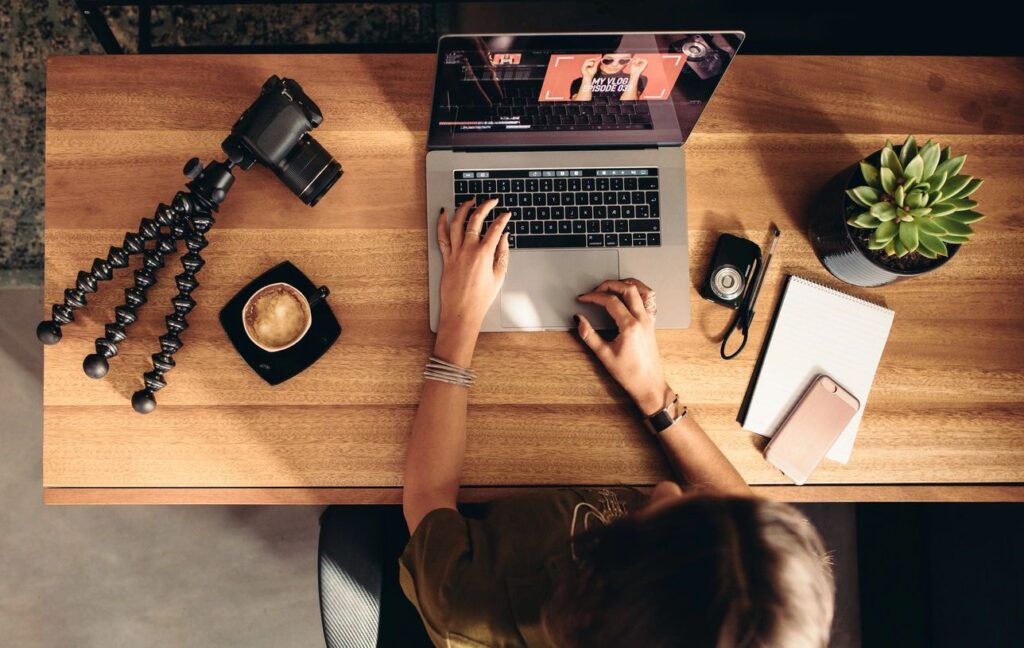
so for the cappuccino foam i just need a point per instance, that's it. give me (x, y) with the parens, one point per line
(276, 317)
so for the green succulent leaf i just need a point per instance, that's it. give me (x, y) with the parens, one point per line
(971, 187)
(901, 250)
(916, 199)
(864, 220)
(870, 174)
(885, 232)
(914, 170)
(935, 183)
(931, 244)
(888, 180)
(951, 167)
(930, 154)
(955, 185)
(890, 248)
(908, 151)
(961, 204)
(892, 162)
(883, 211)
(920, 212)
(925, 252)
(953, 227)
(929, 226)
(966, 217)
(942, 209)
(864, 196)
(949, 239)
(875, 244)
(945, 154)
(900, 196)
(909, 236)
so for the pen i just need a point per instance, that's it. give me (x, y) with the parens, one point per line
(756, 289)
(746, 312)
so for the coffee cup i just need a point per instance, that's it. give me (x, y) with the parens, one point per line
(278, 315)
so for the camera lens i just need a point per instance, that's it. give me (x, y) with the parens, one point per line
(309, 170)
(727, 282)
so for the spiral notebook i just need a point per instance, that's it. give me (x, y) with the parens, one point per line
(817, 330)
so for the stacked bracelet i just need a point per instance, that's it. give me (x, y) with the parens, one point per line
(446, 372)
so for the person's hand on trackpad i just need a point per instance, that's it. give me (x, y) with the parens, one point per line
(632, 357)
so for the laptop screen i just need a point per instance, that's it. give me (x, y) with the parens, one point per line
(575, 89)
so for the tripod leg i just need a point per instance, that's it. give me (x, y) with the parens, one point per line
(96, 364)
(200, 220)
(49, 331)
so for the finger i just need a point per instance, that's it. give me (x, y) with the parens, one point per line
(501, 257)
(494, 231)
(476, 221)
(591, 338)
(455, 231)
(612, 304)
(444, 241)
(629, 294)
(645, 290)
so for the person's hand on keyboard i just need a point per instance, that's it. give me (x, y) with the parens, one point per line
(631, 358)
(474, 266)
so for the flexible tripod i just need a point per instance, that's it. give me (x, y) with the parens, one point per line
(189, 217)
(273, 131)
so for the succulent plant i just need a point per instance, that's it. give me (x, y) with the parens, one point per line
(915, 201)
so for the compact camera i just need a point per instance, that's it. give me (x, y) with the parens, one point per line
(732, 270)
(701, 56)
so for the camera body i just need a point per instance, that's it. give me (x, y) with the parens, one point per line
(274, 131)
(731, 271)
(701, 56)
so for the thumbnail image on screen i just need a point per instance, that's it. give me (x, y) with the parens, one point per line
(620, 76)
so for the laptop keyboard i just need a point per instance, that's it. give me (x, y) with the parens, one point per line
(570, 208)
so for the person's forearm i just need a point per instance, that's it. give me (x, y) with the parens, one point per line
(433, 464)
(585, 93)
(694, 456)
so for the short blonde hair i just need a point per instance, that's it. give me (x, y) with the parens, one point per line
(707, 571)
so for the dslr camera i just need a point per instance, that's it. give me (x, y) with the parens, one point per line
(274, 131)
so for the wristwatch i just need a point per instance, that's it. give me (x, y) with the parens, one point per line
(665, 418)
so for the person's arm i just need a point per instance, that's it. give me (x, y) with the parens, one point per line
(473, 271)
(636, 70)
(632, 358)
(587, 72)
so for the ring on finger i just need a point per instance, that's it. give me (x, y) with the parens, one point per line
(650, 305)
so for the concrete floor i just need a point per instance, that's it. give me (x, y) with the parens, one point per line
(135, 576)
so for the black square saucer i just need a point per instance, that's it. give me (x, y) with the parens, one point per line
(279, 366)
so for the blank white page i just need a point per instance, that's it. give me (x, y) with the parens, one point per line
(818, 331)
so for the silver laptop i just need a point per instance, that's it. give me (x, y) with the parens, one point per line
(581, 137)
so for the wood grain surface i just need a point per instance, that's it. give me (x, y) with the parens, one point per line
(945, 408)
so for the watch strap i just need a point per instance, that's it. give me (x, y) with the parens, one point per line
(665, 418)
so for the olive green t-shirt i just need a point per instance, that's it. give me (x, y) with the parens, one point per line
(484, 580)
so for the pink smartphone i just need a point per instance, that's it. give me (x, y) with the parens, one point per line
(811, 428)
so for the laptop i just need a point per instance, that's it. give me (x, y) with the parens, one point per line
(580, 137)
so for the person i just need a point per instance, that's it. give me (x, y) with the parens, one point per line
(708, 565)
(605, 77)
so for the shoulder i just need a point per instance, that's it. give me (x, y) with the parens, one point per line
(431, 562)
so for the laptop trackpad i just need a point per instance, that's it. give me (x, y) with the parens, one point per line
(541, 287)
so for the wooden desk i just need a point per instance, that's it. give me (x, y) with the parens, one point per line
(945, 419)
